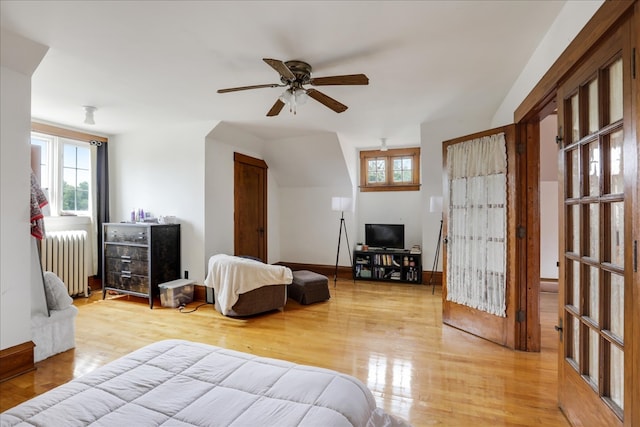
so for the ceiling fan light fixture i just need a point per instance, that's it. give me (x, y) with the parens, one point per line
(286, 96)
(88, 114)
(301, 96)
(294, 97)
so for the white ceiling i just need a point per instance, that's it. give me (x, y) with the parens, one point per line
(145, 63)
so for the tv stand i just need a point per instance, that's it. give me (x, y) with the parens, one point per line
(390, 265)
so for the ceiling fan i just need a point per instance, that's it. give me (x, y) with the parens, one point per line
(294, 75)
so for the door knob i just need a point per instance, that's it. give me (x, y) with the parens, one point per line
(559, 328)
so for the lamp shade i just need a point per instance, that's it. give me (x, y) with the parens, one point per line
(435, 204)
(340, 203)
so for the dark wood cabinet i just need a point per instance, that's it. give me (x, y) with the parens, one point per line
(393, 266)
(138, 257)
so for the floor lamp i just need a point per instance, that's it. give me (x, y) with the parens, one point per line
(341, 204)
(435, 206)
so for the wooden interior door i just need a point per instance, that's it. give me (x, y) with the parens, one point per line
(501, 330)
(250, 206)
(597, 369)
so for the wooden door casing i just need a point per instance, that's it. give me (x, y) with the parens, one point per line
(250, 207)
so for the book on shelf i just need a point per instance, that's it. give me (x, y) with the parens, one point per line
(415, 249)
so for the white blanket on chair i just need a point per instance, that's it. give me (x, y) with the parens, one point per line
(230, 276)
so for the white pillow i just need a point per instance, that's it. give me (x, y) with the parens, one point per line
(57, 296)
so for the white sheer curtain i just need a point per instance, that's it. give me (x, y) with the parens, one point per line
(477, 224)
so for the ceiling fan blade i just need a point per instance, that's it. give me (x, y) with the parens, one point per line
(350, 79)
(235, 89)
(281, 68)
(275, 110)
(326, 100)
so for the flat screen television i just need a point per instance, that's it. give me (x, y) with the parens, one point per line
(386, 236)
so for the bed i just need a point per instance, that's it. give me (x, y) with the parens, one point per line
(245, 286)
(183, 383)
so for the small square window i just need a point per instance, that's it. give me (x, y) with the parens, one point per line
(403, 166)
(403, 170)
(376, 171)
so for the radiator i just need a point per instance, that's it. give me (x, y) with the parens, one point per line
(65, 254)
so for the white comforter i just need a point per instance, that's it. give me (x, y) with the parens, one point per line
(182, 383)
(231, 276)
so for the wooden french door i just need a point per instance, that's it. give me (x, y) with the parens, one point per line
(250, 206)
(503, 330)
(598, 177)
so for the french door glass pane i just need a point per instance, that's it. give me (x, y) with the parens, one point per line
(594, 355)
(616, 215)
(576, 285)
(575, 119)
(594, 294)
(616, 305)
(574, 179)
(594, 230)
(593, 106)
(574, 349)
(575, 228)
(616, 386)
(594, 169)
(616, 178)
(615, 91)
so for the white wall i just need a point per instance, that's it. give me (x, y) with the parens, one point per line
(573, 16)
(218, 198)
(310, 171)
(162, 170)
(549, 198)
(221, 143)
(302, 228)
(549, 229)
(310, 229)
(432, 136)
(274, 220)
(392, 207)
(18, 59)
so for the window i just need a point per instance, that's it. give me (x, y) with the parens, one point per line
(65, 173)
(391, 170)
(76, 173)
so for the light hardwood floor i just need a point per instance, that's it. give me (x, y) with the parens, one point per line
(390, 336)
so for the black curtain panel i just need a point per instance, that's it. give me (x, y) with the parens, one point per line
(102, 196)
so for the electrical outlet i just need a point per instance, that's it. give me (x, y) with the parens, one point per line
(186, 274)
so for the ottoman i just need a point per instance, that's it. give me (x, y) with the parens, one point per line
(308, 287)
